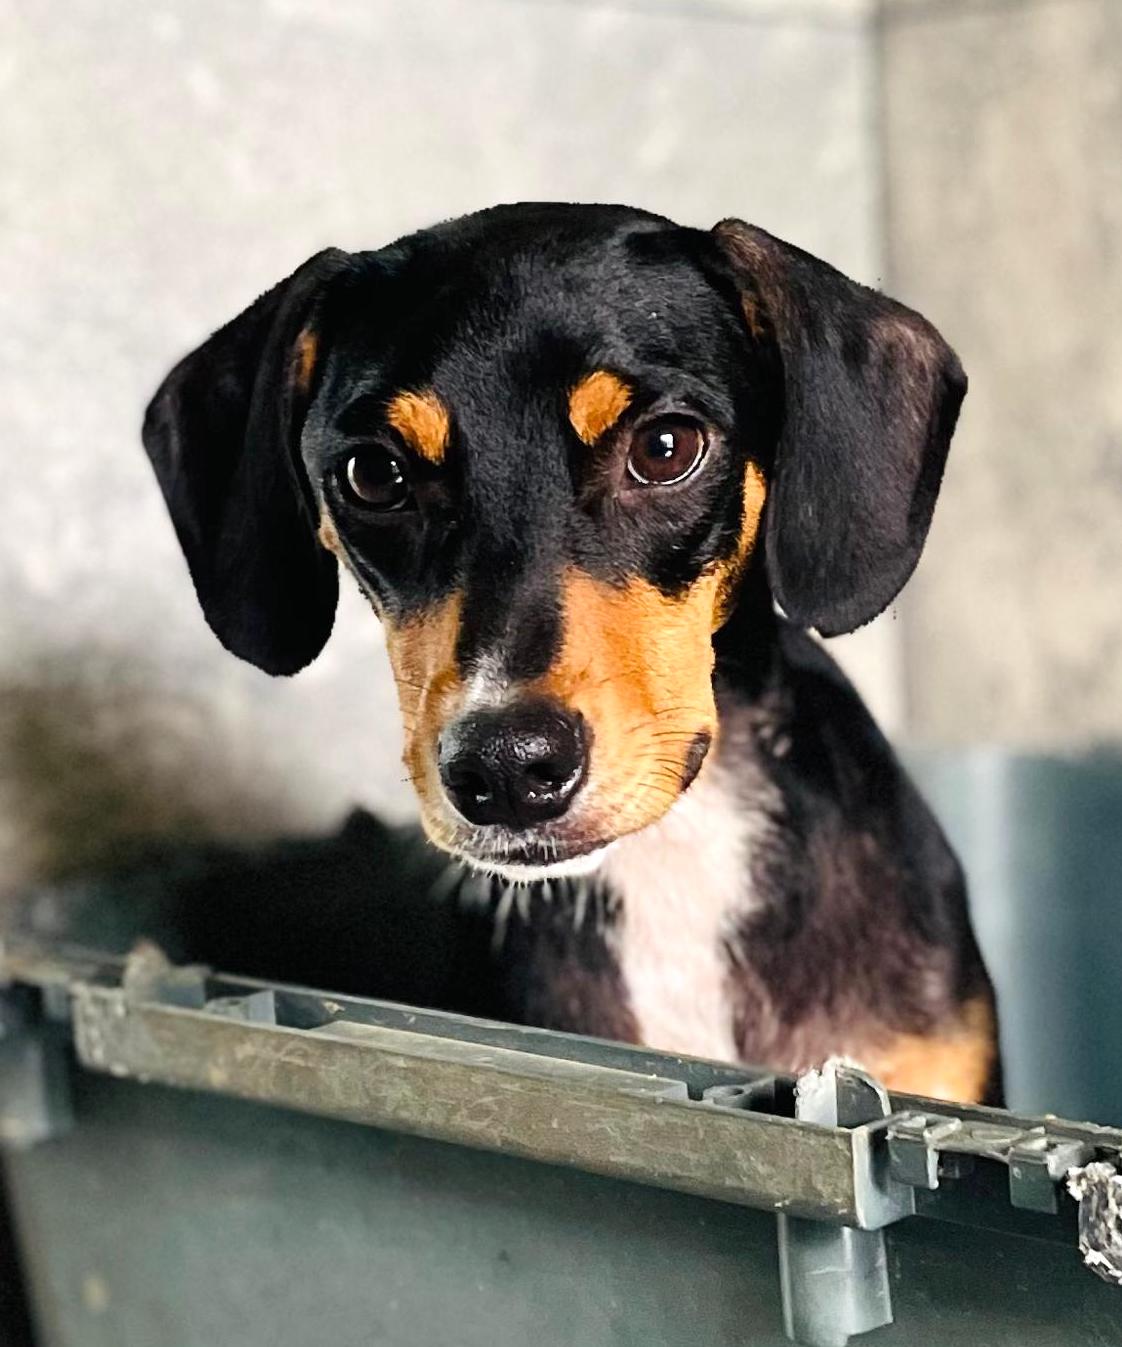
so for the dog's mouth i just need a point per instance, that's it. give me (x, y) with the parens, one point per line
(530, 864)
(524, 860)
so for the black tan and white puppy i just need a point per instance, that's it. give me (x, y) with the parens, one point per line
(598, 475)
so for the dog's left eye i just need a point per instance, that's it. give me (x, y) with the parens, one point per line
(374, 479)
(665, 451)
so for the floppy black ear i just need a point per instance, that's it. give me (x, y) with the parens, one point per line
(223, 436)
(871, 396)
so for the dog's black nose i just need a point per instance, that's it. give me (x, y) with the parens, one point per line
(518, 766)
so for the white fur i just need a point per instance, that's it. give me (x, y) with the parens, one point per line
(682, 881)
(488, 689)
(527, 874)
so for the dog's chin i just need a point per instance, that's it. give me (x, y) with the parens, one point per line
(537, 855)
(528, 871)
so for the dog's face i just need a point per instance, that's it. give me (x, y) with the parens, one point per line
(543, 439)
(538, 455)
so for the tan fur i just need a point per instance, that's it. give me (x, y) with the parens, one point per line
(760, 258)
(755, 496)
(752, 316)
(597, 403)
(422, 654)
(328, 535)
(638, 666)
(954, 1064)
(304, 363)
(422, 421)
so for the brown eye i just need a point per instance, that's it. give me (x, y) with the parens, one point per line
(373, 478)
(665, 451)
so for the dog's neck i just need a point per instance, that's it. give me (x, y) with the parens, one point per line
(673, 897)
(682, 884)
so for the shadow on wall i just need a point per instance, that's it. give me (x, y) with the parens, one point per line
(95, 770)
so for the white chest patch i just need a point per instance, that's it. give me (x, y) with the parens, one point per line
(682, 882)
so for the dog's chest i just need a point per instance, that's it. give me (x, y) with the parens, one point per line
(681, 885)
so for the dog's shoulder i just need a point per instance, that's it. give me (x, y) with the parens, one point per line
(843, 776)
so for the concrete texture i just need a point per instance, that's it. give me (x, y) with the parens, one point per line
(1002, 134)
(162, 165)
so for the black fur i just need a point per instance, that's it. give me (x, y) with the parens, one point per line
(871, 397)
(222, 434)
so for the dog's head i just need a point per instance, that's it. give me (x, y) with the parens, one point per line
(549, 442)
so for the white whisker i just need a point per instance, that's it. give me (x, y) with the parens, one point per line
(580, 906)
(502, 917)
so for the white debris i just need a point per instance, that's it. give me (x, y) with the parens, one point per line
(1097, 1188)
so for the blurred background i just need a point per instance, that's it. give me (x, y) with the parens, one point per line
(161, 165)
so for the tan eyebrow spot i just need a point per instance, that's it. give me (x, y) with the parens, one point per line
(422, 420)
(597, 403)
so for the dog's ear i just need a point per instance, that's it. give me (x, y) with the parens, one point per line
(223, 436)
(871, 394)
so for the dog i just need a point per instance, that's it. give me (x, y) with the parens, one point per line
(600, 476)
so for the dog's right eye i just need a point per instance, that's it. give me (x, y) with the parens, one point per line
(375, 480)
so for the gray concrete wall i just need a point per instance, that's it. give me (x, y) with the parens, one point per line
(161, 166)
(1003, 152)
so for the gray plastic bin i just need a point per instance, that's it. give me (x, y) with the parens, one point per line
(196, 1160)
(320, 1174)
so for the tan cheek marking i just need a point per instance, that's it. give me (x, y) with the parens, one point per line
(328, 534)
(755, 497)
(955, 1065)
(422, 420)
(596, 404)
(307, 346)
(422, 655)
(638, 666)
